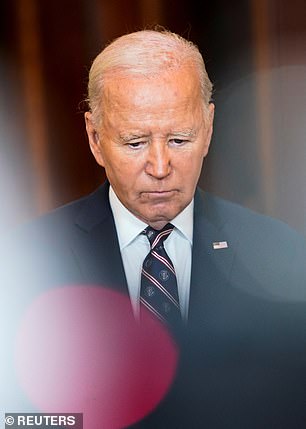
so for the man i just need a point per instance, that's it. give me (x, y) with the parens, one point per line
(150, 127)
(238, 279)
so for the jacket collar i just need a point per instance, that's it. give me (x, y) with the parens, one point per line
(211, 265)
(95, 210)
(96, 248)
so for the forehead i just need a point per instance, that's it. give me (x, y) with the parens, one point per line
(161, 104)
(170, 87)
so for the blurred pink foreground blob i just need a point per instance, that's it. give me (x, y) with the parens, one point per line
(79, 349)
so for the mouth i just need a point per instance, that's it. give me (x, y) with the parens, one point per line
(159, 194)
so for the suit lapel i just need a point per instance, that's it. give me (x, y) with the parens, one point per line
(96, 246)
(211, 266)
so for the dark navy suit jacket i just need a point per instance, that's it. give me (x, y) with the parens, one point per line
(243, 352)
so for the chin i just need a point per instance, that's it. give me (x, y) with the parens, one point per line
(161, 216)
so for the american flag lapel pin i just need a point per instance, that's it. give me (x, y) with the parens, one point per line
(220, 245)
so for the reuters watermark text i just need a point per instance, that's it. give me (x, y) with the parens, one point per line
(43, 421)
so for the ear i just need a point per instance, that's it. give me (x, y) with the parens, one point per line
(93, 138)
(209, 127)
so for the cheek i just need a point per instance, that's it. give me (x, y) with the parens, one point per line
(124, 177)
(190, 163)
(190, 171)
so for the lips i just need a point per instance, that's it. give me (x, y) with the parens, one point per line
(159, 191)
(158, 194)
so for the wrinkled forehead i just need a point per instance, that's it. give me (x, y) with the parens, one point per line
(182, 80)
(168, 100)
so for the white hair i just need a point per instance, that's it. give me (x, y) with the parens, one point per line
(145, 53)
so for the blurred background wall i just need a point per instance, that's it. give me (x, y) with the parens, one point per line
(255, 52)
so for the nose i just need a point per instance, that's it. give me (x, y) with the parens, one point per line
(158, 162)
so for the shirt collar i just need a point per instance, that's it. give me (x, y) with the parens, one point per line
(184, 222)
(129, 226)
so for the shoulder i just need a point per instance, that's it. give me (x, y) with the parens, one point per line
(46, 245)
(268, 254)
(231, 216)
(82, 213)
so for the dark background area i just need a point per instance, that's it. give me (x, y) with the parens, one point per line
(255, 53)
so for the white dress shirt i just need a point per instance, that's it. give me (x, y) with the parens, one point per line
(134, 247)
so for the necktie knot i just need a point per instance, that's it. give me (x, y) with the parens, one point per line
(157, 238)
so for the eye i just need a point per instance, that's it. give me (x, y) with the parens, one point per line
(177, 142)
(136, 145)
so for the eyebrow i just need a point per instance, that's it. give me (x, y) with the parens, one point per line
(189, 132)
(129, 137)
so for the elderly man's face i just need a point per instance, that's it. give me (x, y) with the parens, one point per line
(152, 142)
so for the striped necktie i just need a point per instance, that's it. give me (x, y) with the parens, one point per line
(158, 291)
